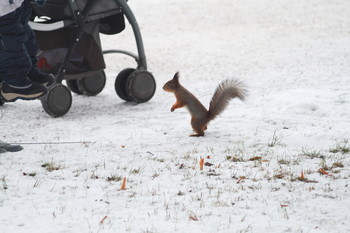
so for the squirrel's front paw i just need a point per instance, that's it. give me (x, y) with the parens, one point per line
(172, 109)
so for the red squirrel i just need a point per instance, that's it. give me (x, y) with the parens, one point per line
(226, 91)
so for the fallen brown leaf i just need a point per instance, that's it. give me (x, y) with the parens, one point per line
(255, 158)
(208, 164)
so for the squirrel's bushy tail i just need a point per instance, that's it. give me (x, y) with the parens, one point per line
(226, 91)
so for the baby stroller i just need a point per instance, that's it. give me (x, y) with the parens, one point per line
(67, 32)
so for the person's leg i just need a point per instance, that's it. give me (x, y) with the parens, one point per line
(30, 43)
(34, 74)
(15, 61)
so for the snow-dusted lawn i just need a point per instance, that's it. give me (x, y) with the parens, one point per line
(294, 55)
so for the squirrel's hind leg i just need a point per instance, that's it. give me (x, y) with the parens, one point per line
(197, 127)
(199, 134)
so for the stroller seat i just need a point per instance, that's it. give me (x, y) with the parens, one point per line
(67, 32)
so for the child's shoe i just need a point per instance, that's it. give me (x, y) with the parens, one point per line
(31, 91)
(5, 147)
(39, 77)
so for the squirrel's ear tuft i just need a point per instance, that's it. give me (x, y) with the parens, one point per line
(176, 77)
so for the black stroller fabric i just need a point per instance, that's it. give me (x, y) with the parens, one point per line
(112, 24)
(105, 17)
(89, 47)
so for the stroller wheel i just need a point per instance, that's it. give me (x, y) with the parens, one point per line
(92, 85)
(58, 100)
(141, 86)
(73, 86)
(120, 83)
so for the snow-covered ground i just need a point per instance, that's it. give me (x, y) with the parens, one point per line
(263, 157)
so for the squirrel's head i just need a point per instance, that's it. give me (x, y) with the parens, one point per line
(171, 85)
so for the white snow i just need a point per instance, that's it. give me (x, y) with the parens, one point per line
(294, 55)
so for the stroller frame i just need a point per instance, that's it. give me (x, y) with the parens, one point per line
(137, 85)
